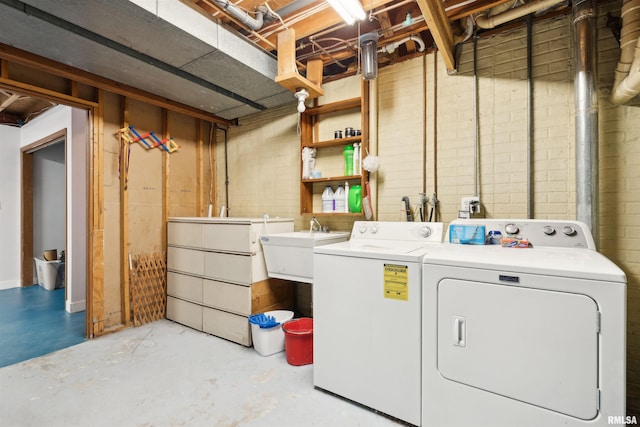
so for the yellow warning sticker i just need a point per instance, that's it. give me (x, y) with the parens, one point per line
(396, 282)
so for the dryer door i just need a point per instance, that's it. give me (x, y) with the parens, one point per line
(536, 346)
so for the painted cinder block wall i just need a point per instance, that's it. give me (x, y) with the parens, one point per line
(425, 136)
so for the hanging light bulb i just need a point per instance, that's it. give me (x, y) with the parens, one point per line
(301, 95)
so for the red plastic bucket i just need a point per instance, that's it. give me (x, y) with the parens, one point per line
(298, 341)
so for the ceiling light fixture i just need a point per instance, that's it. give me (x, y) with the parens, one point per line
(349, 10)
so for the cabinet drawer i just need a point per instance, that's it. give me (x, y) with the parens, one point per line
(230, 238)
(227, 296)
(187, 313)
(184, 287)
(226, 325)
(185, 234)
(231, 267)
(185, 260)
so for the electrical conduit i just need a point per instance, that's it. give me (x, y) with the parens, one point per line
(242, 16)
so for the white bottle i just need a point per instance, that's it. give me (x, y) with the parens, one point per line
(339, 199)
(356, 159)
(327, 199)
(346, 197)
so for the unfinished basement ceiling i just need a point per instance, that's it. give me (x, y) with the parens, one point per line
(197, 53)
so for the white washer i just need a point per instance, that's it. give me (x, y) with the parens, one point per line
(367, 315)
(523, 336)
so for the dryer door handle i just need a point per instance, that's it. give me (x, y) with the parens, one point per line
(459, 331)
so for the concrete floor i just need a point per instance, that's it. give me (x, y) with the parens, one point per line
(165, 374)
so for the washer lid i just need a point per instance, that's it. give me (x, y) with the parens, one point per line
(378, 249)
(562, 262)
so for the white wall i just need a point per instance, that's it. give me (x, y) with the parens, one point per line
(49, 230)
(75, 123)
(9, 207)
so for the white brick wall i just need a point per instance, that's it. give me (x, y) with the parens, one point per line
(405, 129)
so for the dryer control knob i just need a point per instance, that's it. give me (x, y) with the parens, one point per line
(374, 229)
(425, 231)
(362, 229)
(511, 229)
(549, 230)
(568, 230)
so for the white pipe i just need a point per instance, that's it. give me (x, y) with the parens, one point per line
(626, 84)
(242, 16)
(483, 20)
(391, 47)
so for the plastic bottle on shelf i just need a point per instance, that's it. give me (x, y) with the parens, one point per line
(346, 197)
(339, 199)
(327, 199)
(356, 158)
(348, 160)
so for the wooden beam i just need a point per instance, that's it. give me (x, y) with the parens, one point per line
(288, 76)
(46, 65)
(436, 18)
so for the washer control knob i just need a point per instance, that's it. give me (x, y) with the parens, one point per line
(362, 229)
(374, 229)
(425, 231)
(511, 229)
(568, 230)
(549, 230)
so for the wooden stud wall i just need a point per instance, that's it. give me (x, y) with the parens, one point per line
(129, 218)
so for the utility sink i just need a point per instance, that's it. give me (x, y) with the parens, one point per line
(289, 256)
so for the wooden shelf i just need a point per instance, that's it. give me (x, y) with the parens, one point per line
(309, 129)
(332, 178)
(333, 142)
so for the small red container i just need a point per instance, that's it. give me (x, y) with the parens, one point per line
(298, 341)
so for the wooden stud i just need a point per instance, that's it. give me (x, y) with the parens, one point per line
(199, 169)
(272, 294)
(125, 309)
(95, 270)
(166, 178)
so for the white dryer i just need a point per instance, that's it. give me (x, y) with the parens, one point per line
(367, 301)
(523, 336)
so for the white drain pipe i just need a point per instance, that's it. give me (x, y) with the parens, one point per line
(242, 16)
(483, 20)
(626, 84)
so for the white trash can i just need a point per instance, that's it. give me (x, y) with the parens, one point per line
(268, 341)
(50, 273)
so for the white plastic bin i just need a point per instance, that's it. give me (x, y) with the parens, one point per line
(268, 341)
(50, 273)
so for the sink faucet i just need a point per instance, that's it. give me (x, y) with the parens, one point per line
(314, 225)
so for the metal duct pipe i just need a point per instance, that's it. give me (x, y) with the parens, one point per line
(242, 16)
(586, 102)
(627, 75)
(483, 20)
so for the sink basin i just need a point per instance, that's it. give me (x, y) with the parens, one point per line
(289, 256)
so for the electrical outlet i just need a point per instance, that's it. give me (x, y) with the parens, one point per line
(470, 204)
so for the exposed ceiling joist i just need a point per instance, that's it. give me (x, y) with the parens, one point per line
(438, 23)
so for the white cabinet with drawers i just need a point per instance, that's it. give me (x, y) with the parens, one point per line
(216, 275)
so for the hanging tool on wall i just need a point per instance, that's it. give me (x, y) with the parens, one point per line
(124, 153)
(140, 138)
